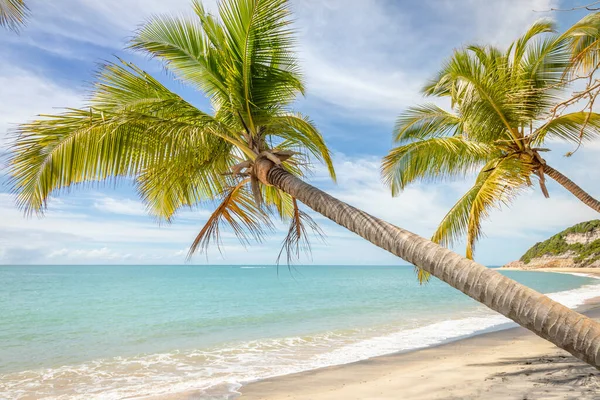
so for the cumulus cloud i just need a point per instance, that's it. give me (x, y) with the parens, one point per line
(370, 58)
(113, 20)
(25, 94)
(120, 206)
(103, 253)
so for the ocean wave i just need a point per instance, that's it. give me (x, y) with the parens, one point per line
(219, 372)
(439, 332)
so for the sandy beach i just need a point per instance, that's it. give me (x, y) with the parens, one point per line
(586, 271)
(509, 364)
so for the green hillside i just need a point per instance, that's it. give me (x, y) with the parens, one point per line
(557, 245)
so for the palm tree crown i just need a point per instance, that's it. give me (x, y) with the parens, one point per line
(134, 127)
(504, 108)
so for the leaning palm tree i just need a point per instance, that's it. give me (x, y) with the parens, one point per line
(13, 13)
(248, 153)
(506, 106)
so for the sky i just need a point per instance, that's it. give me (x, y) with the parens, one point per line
(364, 62)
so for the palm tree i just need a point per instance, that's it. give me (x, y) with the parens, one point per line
(505, 106)
(249, 152)
(13, 13)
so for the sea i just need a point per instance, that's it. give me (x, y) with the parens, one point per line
(114, 332)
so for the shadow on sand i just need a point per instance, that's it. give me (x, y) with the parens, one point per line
(559, 376)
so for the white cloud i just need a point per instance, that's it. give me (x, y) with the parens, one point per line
(419, 208)
(497, 22)
(113, 20)
(73, 219)
(120, 206)
(103, 253)
(370, 58)
(26, 94)
(367, 57)
(74, 233)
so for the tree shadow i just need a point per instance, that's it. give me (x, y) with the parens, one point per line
(561, 370)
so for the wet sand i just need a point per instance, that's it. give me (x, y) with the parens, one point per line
(586, 271)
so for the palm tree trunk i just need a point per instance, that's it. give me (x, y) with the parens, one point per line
(572, 187)
(567, 329)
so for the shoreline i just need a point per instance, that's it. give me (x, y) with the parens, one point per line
(500, 364)
(591, 272)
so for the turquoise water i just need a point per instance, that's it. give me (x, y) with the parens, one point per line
(115, 331)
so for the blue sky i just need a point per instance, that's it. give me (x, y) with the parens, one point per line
(364, 62)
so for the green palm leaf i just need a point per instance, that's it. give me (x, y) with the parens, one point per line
(185, 49)
(523, 44)
(574, 127)
(425, 121)
(300, 133)
(433, 160)
(240, 212)
(13, 14)
(497, 184)
(584, 43)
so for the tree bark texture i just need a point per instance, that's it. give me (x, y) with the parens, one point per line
(572, 187)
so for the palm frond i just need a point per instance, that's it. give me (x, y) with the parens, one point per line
(240, 212)
(477, 80)
(522, 45)
(300, 132)
(544, 63)
(432, 160)
(497, 184)
(13, 14)
(576, 127)
(190, 178)
(281, 201)
(72, 148)
(186, 50)
(264, 71)
(584, 43)
(496, 93)
(297, 240)
(540, 77)
(133, 123)
(426, 121)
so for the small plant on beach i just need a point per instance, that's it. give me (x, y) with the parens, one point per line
(505, 108)
(247, 153)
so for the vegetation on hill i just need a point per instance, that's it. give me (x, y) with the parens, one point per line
(557, 245)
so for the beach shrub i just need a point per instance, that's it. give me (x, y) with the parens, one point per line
(556, 245)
